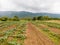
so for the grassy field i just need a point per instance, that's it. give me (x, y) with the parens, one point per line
(12, 33)
(29, 32)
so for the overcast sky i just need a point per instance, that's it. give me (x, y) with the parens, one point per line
(51, 6)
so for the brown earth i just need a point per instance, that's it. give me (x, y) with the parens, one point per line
(8, 28)
(35, 37)
(55, 30)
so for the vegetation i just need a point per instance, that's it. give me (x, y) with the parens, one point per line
(52, 35)
(16, 18)
(45, 18)
(16, 32)
(13, 30)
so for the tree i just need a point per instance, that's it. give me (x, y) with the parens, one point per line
(15, 18)
(46, 17)
(34, 18)
(4, 18)
(42, 18)
(39, 17)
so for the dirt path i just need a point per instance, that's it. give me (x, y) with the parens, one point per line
(35, 37)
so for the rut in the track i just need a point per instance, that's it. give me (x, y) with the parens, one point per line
(35, 37)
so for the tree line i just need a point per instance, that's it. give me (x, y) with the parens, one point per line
(16, 18)
(5, 18)
(44, 18)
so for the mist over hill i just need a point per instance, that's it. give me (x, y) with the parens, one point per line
(23, 14)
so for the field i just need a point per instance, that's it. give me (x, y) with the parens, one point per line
(30, 32)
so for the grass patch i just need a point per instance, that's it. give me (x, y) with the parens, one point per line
(53, 36)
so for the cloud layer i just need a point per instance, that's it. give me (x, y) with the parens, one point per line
(51, 6)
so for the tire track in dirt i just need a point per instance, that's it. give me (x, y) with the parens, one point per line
(35, 37)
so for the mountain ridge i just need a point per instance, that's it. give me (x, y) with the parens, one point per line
(23, 14)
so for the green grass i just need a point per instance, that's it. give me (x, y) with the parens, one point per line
(53, 36)
(19, 29)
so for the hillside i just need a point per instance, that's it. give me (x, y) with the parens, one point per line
(22, 14)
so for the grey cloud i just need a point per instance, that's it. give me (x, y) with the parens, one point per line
(31, 7)
(35, 5)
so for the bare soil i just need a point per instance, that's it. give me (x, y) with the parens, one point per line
(35, 37)
(55, 30)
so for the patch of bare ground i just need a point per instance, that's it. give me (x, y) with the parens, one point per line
(56, 30)
(8, 28)
(35, 37)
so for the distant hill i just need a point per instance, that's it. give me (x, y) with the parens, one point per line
(23, 14)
